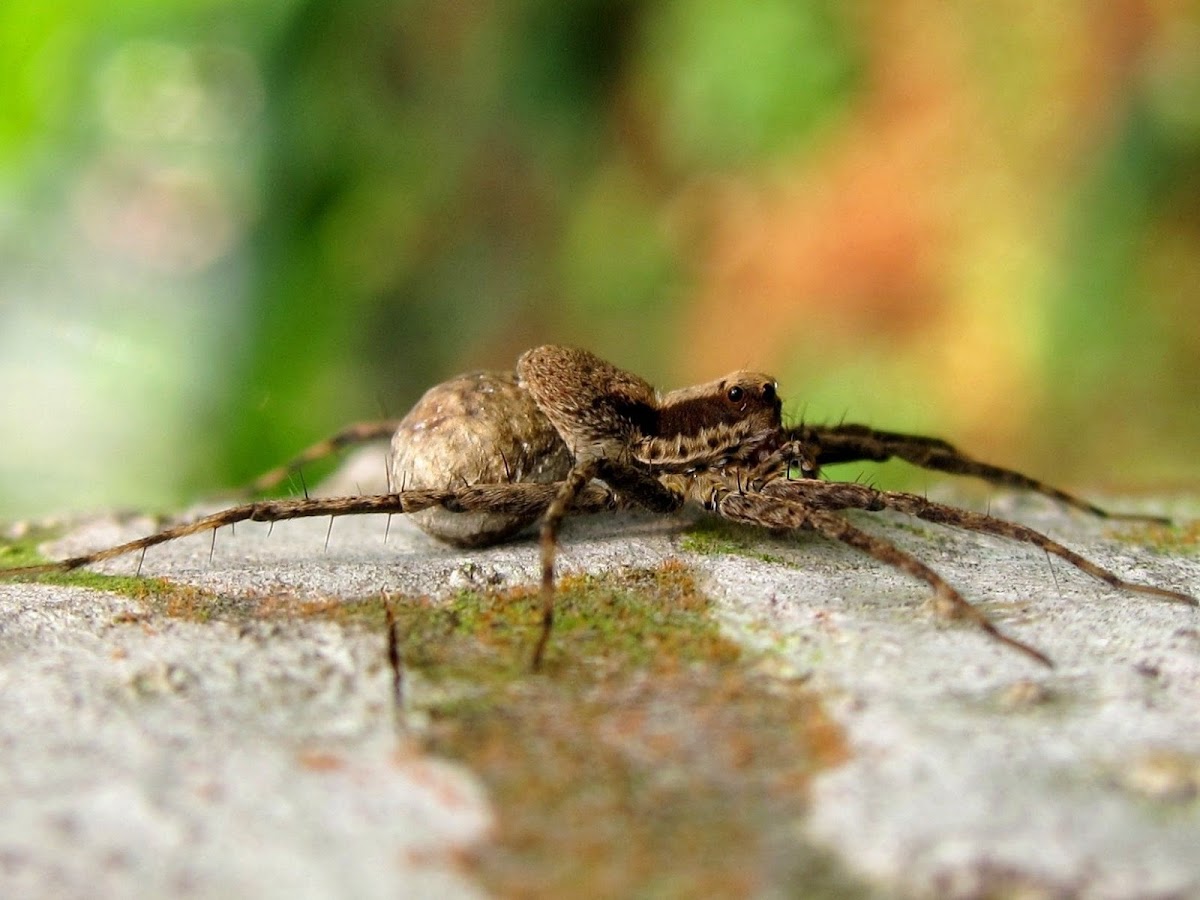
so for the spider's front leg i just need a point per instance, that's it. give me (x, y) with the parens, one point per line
(834, 495)
(853, 443)
(813, 504)
(764, 510)
(792, 455)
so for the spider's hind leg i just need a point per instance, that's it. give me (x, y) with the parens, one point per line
(853, 443)
(522, 498)
(350, 436)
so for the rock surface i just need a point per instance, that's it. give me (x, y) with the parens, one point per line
(152, 756)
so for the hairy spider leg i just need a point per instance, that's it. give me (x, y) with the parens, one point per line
(852, 443)
(776, 512)
(790, 454)
(847, 495)
(524, 498)
(568, 490)
(634, 488)
(350, 436)
(395, 656)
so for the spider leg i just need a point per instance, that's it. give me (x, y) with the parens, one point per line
(634, 488)
(351, 435)
(793, 453)
(523, 498)
(844, 495)
(775, 512)
(851, 443)
(395, 657)
(568, 489)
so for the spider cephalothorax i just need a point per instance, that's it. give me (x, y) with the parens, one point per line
(487, 454)
(604, 412)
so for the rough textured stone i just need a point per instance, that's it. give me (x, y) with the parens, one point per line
(170, 757)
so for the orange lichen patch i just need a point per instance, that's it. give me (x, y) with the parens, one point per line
(320, 761)
(129, 618)
(321, 606)
(184, 602)
(682, 794)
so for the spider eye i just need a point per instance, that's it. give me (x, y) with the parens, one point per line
(735, 394)
(769, 391)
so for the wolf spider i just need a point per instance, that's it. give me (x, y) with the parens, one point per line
(487, 454)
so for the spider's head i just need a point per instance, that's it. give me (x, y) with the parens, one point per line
(750, 393)
(748, 399)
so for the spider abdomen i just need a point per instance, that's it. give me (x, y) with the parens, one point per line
(478, 428)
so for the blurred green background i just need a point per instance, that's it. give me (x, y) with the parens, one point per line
(226, 229)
